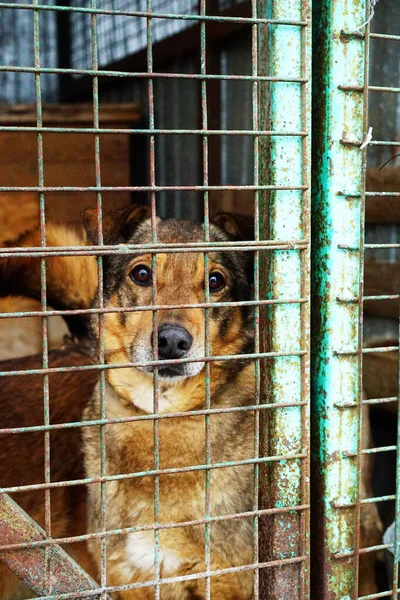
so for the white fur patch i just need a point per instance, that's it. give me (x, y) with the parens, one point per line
(143, 397)
(140, 553)
(142, 394)
(142, 353)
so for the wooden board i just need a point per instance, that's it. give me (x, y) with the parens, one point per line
(383, 209)
(80, 114)
(240, 201)
(69, 161)
(382, 278)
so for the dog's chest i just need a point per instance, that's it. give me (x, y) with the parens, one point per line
(142, 396)
(180, 445)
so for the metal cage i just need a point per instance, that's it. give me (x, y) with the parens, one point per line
(281, 146)
(315, 219)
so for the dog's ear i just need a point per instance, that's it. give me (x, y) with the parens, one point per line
(118, 225)
(239, 227)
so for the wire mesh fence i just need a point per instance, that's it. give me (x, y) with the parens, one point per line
(164, 451)
(356, 379)
(208, 476)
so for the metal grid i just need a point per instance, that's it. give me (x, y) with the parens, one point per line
(341, 350)
(281, 147)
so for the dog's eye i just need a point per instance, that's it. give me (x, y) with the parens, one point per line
(216, 281)
(141, 274)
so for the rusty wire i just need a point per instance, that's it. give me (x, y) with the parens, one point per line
(259, 245)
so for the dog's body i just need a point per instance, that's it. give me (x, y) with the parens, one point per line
(71, 281)
(182, 495)
(22, 454)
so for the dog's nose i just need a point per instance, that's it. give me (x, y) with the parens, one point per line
(174, 341)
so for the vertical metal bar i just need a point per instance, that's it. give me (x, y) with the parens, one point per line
(338, 208)
(207, 349)
(16, 527)
(396, 549)
(45, 353)
(361, 225)
(99, 207)
(256, 211)
(153, 206)
(306, 61)
(285, 52)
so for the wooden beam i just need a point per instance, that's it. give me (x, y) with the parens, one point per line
(30, 565)
(70, 115)
(381, 278)
(383, 209)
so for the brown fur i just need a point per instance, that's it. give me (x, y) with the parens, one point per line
(71, 281)
(130, 502)
(21, 400)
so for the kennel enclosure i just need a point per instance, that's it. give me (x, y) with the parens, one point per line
(190, 150)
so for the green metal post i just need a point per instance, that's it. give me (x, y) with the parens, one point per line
(337, 233)
(285, 51)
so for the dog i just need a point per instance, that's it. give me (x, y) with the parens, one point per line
(129, 337)
(71, 281)
(182, 440)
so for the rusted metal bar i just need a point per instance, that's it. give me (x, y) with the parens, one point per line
(155, 472)
(257, 362)
(284, 161)
(153, 130)
(156, 363)
(337, 273)
(16, 527)
(152, 417)
(152, 14)
(293, 244)
(94, 311)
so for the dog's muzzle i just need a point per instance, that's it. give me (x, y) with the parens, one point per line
(174, 341)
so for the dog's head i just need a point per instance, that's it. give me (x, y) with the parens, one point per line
(173, 280)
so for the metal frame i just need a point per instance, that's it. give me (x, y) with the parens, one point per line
(340, 63)
(340, 113)
(285, 214)
(281, 188)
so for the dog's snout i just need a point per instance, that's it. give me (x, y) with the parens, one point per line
(174, 341)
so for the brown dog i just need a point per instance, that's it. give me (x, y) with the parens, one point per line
(130, 447)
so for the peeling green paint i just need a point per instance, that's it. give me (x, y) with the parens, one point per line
(285, 161)
(336, 273)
